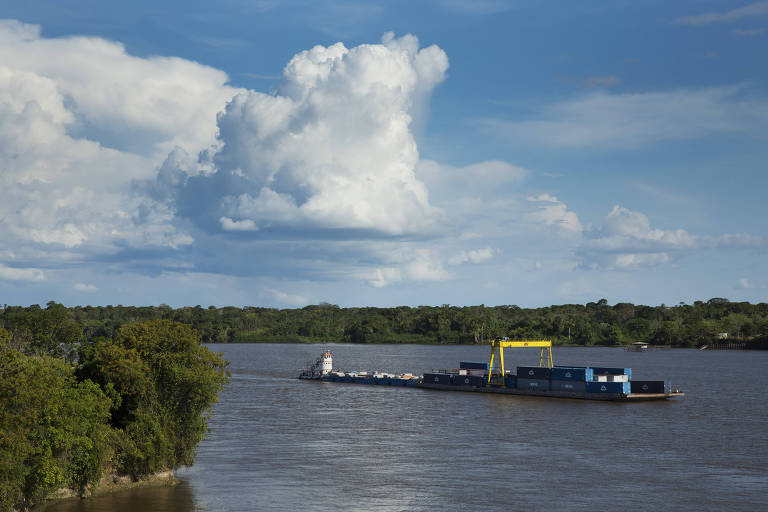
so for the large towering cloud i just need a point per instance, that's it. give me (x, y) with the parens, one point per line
(332, 148)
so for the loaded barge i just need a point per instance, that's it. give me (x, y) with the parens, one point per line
(545, 380)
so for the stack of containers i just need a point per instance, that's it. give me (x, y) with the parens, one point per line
(571, 378)
(533, 378)
(610, 380)
(474, 369)
(471, 374)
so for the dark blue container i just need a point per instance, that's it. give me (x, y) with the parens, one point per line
(574, 374)
(437, 378)
(533, 372)
(532, 384)
(510, 381)
(468, 380)
(571, 386)
(613, 371)
(608, 387)
(647, 386)
(461, 380)
(464, 365)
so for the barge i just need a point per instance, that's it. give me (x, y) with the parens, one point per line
(545, 380)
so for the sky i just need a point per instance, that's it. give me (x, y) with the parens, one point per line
(286, 153)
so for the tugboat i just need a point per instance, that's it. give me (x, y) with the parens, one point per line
(320, 367)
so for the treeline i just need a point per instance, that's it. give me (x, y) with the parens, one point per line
(595, 323)
(74, 408)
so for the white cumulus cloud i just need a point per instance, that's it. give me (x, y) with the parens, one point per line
(408, 266)
(627, 242)
(553, 212)
(21, 274)
(332, 148)
(80, 121)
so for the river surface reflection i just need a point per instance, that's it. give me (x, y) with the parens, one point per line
(277, 443)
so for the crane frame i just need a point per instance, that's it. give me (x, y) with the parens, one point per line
(500, 345)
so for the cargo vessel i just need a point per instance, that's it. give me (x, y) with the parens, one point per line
(545, 380)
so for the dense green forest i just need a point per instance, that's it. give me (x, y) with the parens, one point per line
(74, 408)
(596, 323)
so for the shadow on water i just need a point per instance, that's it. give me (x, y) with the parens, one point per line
(178, 498)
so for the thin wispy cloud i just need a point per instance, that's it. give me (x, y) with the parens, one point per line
(755, 9)
(258, 76)
(85, 288)
(223, 42)
(476, 6)
(632, 120)
(748, 32)
(602, 81)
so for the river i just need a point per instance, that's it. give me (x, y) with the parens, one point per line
(277, 443)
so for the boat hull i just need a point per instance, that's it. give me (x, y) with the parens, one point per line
(617, 397)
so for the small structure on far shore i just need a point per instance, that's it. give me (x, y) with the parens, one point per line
(638, 346)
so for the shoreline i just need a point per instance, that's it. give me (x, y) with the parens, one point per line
(110, 483)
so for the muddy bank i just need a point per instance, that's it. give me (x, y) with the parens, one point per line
(110, 483)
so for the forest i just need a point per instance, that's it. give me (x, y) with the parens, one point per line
(74, 409)
(594, 323)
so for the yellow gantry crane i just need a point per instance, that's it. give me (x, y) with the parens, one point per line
(500, 345)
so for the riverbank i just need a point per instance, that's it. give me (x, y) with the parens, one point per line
(110, 483)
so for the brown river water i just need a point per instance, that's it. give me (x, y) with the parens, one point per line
(277, 443)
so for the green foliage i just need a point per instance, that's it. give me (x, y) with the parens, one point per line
(595, 323)
(137, 403)
(37, 331)
(53, 429)
(165, 382)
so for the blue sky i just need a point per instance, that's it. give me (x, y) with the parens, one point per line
(360, 153)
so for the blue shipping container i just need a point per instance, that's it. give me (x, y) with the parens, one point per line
(468, 380)
(510, 381)
(437, 378)
(648, 386)
(533, 372)
(533, 384)
(613, 371)
(608, 387)
(568, 385)
(575, 374)
(464, 365)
